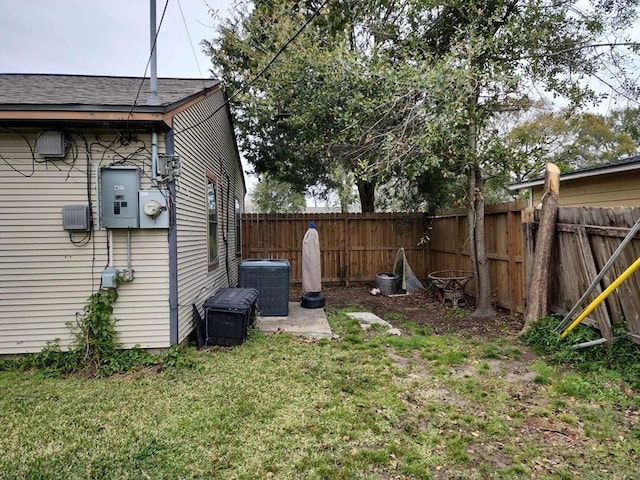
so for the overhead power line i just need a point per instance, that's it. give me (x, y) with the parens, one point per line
(262, 72)
(193, 50)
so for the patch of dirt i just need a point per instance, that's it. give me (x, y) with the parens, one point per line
(420, 307)
(398, 360)
(554, 432)
(513, 371)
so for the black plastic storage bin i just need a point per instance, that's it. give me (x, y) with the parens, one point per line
(271, 279)
(228, 315)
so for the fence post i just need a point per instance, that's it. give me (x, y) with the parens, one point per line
(460, 243)
(512, 220)
(528, 222)
(345, 236)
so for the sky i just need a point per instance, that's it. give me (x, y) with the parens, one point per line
(97, 37)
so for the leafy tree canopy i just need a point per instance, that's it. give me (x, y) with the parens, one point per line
(411, 89)
(274, 196)
(523, 142)
(382, 88)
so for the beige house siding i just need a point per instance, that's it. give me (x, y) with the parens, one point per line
(44, 279)
(609, 190)
(201, 150)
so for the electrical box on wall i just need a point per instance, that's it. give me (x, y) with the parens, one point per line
(76, 218)
(118, 197)
(169, 166)
(153, 208)
(50, 143)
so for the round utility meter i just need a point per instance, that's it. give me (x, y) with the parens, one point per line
(152, 208)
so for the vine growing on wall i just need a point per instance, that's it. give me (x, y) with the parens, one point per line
(95, 332)
(95, 350)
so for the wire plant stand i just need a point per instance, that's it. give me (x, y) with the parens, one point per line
(452, 284)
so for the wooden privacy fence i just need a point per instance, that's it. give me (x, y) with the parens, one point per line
(585, 239)
(355, 247)
(449, 250)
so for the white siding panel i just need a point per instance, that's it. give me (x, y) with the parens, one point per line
(44, 279)
(208, 147)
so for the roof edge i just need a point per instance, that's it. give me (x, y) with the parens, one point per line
(199, 95)
(131, 77)
(577, 174)
(78, 107)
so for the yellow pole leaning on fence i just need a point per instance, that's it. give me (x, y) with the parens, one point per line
(591, 307)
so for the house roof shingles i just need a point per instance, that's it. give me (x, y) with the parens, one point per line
(76, 91)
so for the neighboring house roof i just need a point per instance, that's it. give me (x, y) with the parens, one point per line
(622, 165)
(35, 91)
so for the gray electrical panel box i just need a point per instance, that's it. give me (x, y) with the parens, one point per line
(76, 218)
(153, 208)
(118, 197)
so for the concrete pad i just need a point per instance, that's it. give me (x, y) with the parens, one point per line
(366, 319)
(303, 322)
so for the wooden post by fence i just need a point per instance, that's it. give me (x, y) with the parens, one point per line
(514, 234)
(528, 223)
(539, 287)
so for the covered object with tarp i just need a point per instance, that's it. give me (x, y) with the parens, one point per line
(408, 280)
(311, 270)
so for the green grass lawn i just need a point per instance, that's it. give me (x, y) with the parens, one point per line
(365, 405)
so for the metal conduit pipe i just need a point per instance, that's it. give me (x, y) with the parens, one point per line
(129, 248)
(154, 158)
(110, 241)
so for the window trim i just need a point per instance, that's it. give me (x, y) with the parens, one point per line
(238, 232)
(212, 179)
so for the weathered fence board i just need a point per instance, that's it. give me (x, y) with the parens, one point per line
(355, 247)
(586, 237)
(449, 250)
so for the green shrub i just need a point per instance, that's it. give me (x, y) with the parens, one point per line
(53, 361)
(179, 358)
(9, 364)
(621, 358)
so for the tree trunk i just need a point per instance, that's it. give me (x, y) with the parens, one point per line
(471, 220)
(366, 190)
(477, 244)
(483, 308)
(538, 297)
